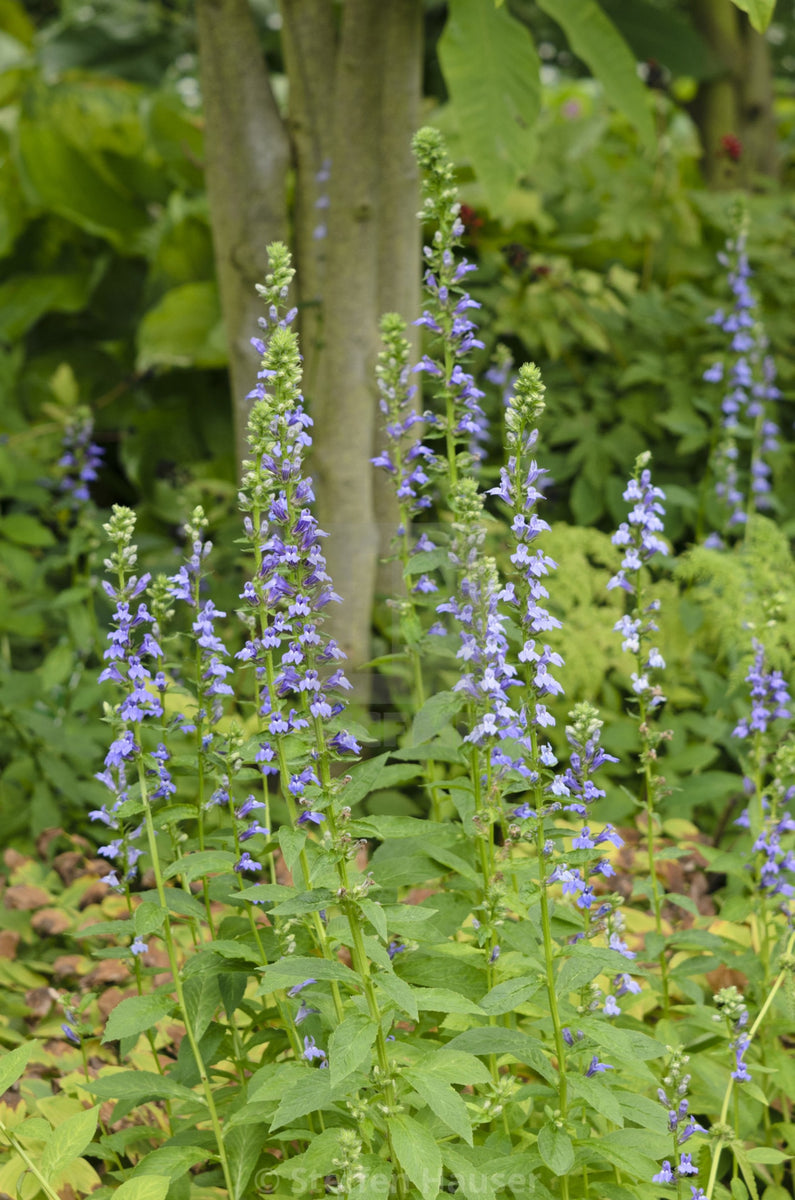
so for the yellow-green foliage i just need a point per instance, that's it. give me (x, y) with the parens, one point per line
(745, 593)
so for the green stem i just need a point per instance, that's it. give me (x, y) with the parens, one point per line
(713, 1173)
(177, 980)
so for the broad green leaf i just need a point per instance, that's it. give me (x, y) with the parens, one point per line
(491, 69)
(304, 902)
(202, 999)
(66, 181)
(143, 1187)
(746, 1168)
(13, 1064)
(174, 1161)
(192, 866)
(315, 1162)
(598, 1095)
(417, 1153)
(473, 1183)
(671, 40)
(184, 329)
(593, 38)
(290, 970)
(148, 918)
(435, 714)
(401, 992)
(555, 1148)
(505, 997)
(442, 1100)
(292, 842)
(760, 12)
(311, 1093)
(444, 1000)
(135, 1015)
(68, 1141)
(349, 1046)
(767, 1154)
(243, 1145)
(377, 1183)
(24, 299)
(454, 1066)
(376, 916)
(740, 1192)
(24, 529)
(520, 1046)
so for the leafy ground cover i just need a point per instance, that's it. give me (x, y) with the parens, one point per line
(530, 933)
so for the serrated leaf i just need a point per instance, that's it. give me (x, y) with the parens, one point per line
(417, 1153)
(376, 916)
(135, 1015)
(746, 1168)
(442, 1100)
(311, 1093)
(506, 996)
(444, 1000)
(767, 1154)
(13, 1064)
(349, 1046)
(473, 1183)
(173, 1161)
(601, 1098)
(243, 1145)
(192, 866)
(401, 992)
(292, 842)
(148, 918)
(294, 969)
(140, 1086)
(68, 1141)
(594, 38)
(520, 1046)
(495, 93)
(455, 1066)
(435, 714)
(305, 902)
(143, 1187)
(555, 1148)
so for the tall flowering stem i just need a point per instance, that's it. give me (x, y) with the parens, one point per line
(296, 663)
(639, 538)
(521, 481)
(766, 816)
(140, 703)
(746, 372)
(446, 317)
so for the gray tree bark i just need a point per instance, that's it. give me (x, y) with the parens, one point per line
(247, 155)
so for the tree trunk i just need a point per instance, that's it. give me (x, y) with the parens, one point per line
(246, 161)
(399, 250)
(344, 407)
(734, 109)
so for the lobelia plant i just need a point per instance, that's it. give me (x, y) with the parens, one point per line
(369, 1004)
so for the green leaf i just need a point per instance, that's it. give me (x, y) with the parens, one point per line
(495, 92)
(601, 1098)
(767, 1154)
(184, 329)
(505, 997)
(13, 1064)
(202, 999)
(66, 181)
(435, 715)
(143, 1187)
(519, 1046)
(739, 1191)
(140, 1086)
(311, 1093)
(24, 299)
(173, 1161)
(417, 1153)
(290, 970)
(305, 902)
(555, 1148)
(243, 1145)
(473, 1182)
(292, 842)
(376, 916)
(594, 38)
(193, 866)
(454, 1066)
(627, 1043)
(401, 992)
(25, 530)
(443, 1101)
(148, 918)
(135, 1015)
(444, 1000)
(68, 1141)
(349, 1046)
(760, 12)
(746, 1167)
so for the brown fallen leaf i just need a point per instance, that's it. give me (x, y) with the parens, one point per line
(70, 865)
(109, 970)
(95, 893)
(108, 1001)
(67, 966)
(39, 1001)
(48, 922)
(26, 896)
(13, 859)
(9, 940)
